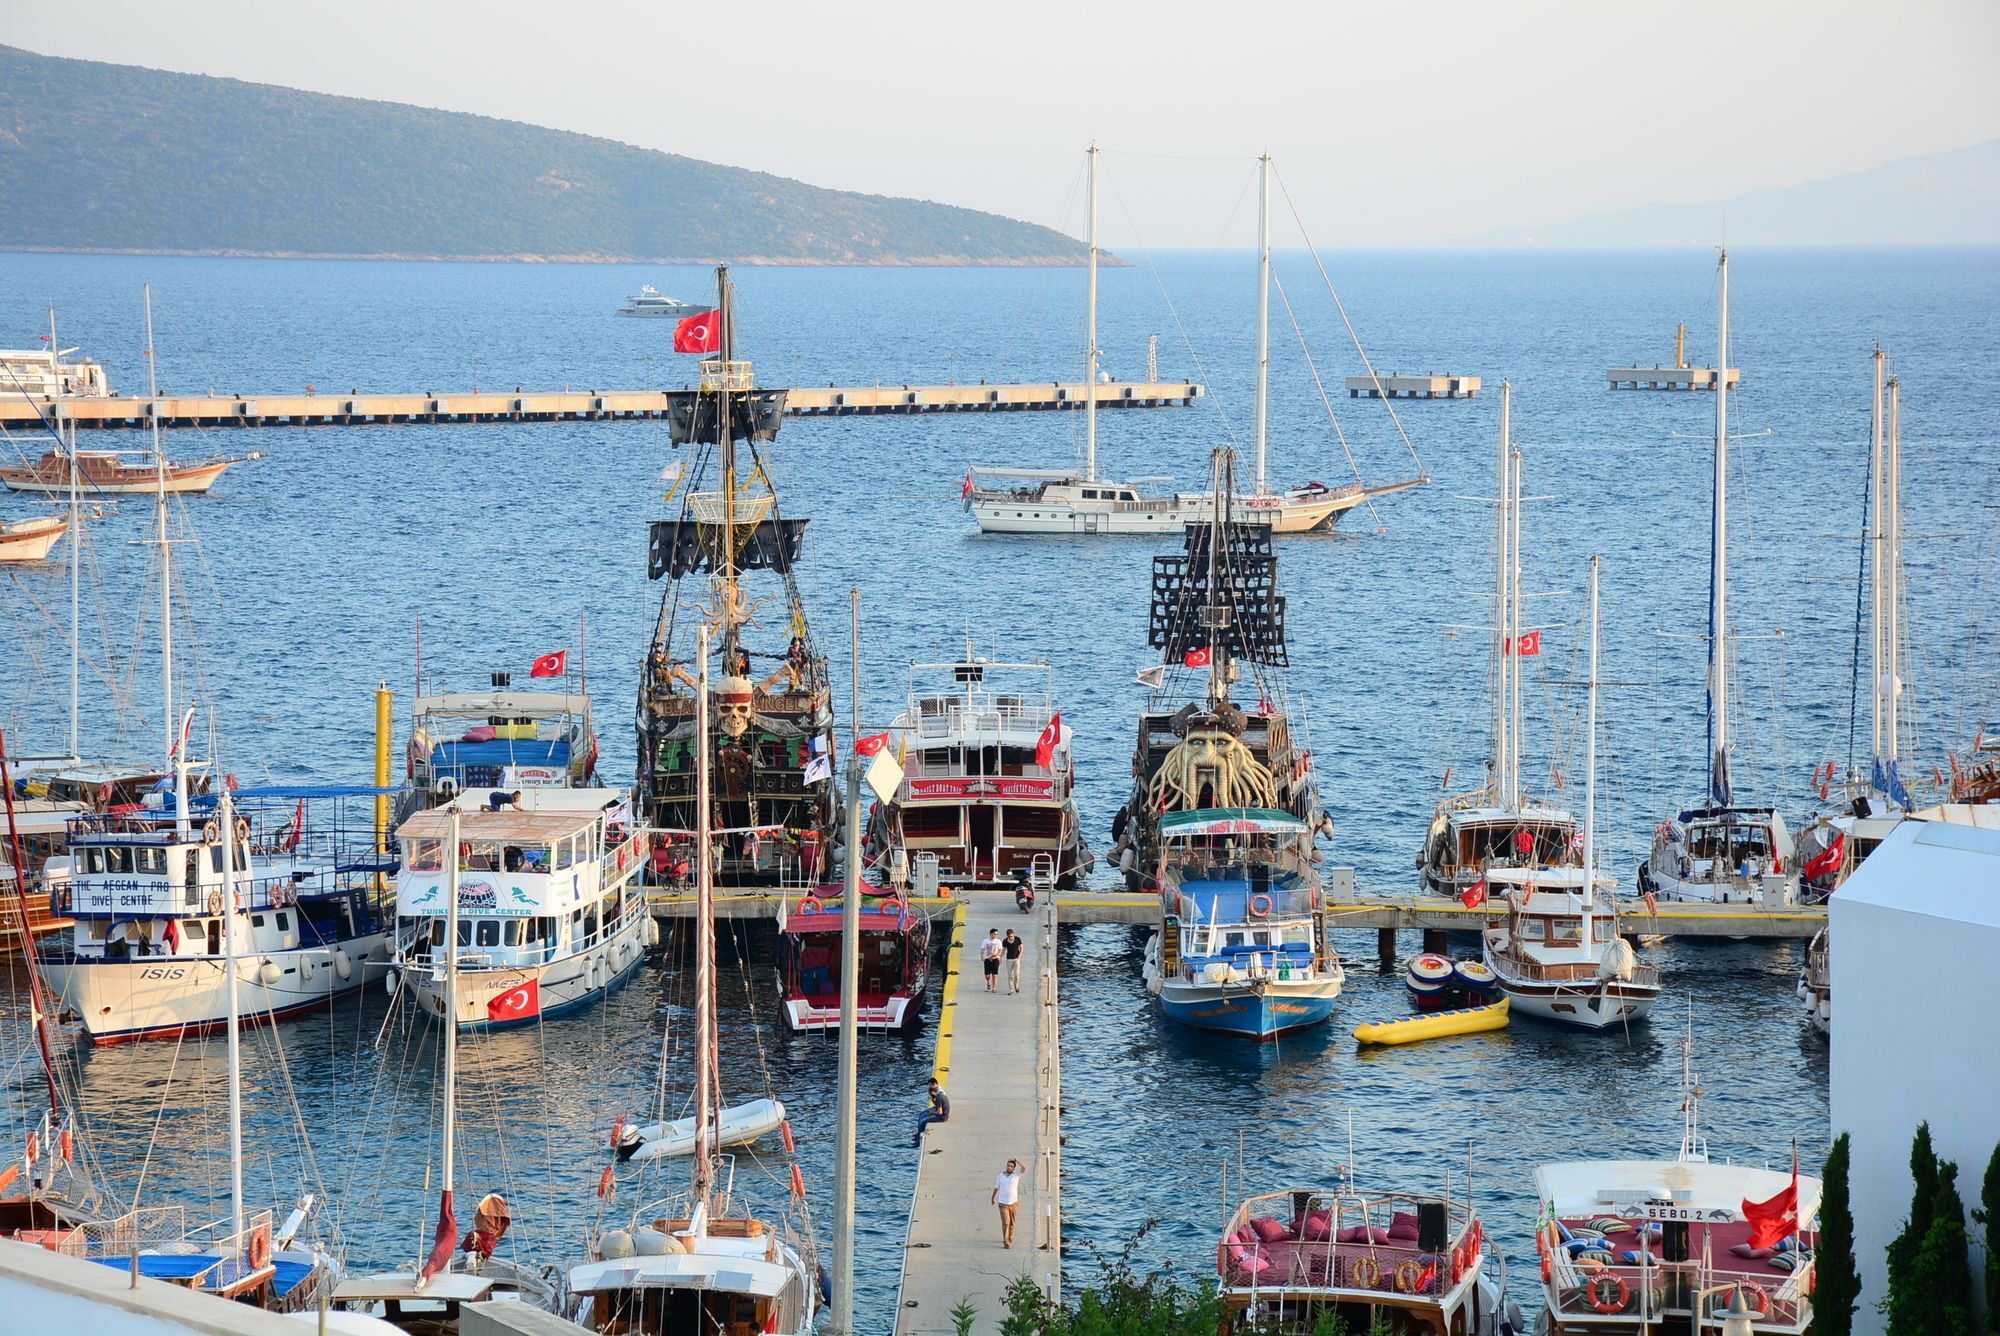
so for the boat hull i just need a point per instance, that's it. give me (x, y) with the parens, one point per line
(897, 1013)
(31, 540)
(1249, 1011)
(1597, 1005)
(563, 986)
(193, 479)
(166, 997)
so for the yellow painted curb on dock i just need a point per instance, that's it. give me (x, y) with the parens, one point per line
(948, 998)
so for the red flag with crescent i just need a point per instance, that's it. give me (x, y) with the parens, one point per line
(1045, 745)
(550, 665)
(1196, 658)
(1775, 1219)
(699, 333)
(516, 1004)
(871, 745)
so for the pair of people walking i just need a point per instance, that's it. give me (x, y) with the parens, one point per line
(995, 949)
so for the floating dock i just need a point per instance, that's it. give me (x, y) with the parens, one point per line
(1399, 386)
(1679, 376)
(1006, 1101)
(354, 409)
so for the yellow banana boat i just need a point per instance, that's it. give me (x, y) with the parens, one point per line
(1435, 1025)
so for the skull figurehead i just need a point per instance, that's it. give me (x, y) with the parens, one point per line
(735, 700)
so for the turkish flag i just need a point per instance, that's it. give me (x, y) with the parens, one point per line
(871, 745)
(516, 1004)
(1827, 861)
(550, 665)
(1529, 645)
(1045, 745)
(1474, 895)
(1777, 1219)
(699, 333)
(1196, 658)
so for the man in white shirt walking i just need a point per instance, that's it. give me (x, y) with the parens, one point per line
(1007, 1196)
(989, 960)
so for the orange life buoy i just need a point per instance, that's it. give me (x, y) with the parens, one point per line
(1260, 905)
(798, 1183)
(1457, 1264)
(1763, 1296)
(68, 1149)
(786, 1128)
(809, 905)
(1608, 1292)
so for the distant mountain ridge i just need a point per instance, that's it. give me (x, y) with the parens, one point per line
(1950, 198)
(100, 157)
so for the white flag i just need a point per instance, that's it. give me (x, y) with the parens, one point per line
(819, 769)
(884, 776)
(672, 472)
(1153, 677)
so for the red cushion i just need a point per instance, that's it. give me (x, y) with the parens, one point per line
(1317, 1226)
(1244, 1235)
(1248, 1262)
(1403, 1226)
(1270, 1231)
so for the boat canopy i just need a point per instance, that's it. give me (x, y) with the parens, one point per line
(1624, 1188)
(684, 1271)
(879, 917)
(1043, 475)
(1544, 878)
(445, 1287)
(1230, 821)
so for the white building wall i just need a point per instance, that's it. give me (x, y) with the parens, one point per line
(1913, 1041)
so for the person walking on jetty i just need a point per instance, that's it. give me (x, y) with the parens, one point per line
(989, 960)
(1007, 1196)
(1011, 949)
(938, 1112)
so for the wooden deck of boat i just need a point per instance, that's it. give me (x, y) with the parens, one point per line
(355, 409)
(1000, 1061)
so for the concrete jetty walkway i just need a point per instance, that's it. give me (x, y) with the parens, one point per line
(999, 1061)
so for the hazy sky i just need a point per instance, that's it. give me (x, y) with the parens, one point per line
(1390, 123)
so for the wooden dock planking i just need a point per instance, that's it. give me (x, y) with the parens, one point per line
(399, 410)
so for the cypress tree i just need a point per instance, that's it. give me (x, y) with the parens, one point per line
(1941, 1298)
(1837, 1283)
(1988, 1216)
(1903, 1303)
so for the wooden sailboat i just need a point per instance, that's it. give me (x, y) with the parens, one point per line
(31, 539)
(1499, 826)
(1722, 850)
(1055, 502)
(703, 1259)
(773, 794)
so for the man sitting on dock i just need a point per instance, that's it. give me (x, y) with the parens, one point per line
(938, 1112)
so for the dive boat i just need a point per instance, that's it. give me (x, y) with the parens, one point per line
(32, 539)
(776, 808)
(1058, 501)
(549, 913)
(1242, 947)
(1400, 1262)
(703, 1259)
(1196, 749)
(1558, 954)
(110, 473)
(1499, 825)
(650, 301)
(145, 957)
(1646, 1246)
(429, 1296)
(989, 778)
(1723, 851)
(894, 955)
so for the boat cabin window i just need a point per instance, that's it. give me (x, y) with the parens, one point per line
(90, 861)
(1730, 842)
(513, 932)
(284, 921)
(423, 855)
(488, 932)
(530, 858)
(1128, 496)
(1565, 932)
(150, 858)
(1531, 930)
(565, 853)
(1090, 494)
(118, 860)
(940, 758)
(256, 920)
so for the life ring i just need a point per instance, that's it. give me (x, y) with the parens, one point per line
(242, 830)
(1763, 1296)
(210, 832)
(1409, 1275)
(809, 905)
(1364, 1272)
(281, 896)
(1260, 905)
(1457, 1265)
(1607, 1292)
(215, 902)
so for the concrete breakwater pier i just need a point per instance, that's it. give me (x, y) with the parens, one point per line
(354, 409)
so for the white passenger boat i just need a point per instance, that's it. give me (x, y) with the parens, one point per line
(1499, 825)
(650, 301)
(1062, 502)
(500, 737)
(1723, 850)
(1558, 953)
(549, 912)
(989, 777)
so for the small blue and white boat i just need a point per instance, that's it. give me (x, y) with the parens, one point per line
(1242, 946)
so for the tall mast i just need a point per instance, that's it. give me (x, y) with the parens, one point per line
(1090, 352)
(726, 574)
(1891, 685)
(75, 552)
(1718, 563)
(845, 1123)
(230, 918)
(451, 1009)
(1590, 770)
(166, 551)
(1502, 708)
(1514, 629)
(704, 936)
(1216, 615)
(1263, 314)
(1878, 661)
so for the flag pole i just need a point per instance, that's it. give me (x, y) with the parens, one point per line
(850, 953)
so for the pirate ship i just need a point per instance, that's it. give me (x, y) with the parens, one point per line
(727, 556)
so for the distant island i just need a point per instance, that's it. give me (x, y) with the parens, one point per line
(115, 158)
(1939, 199)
